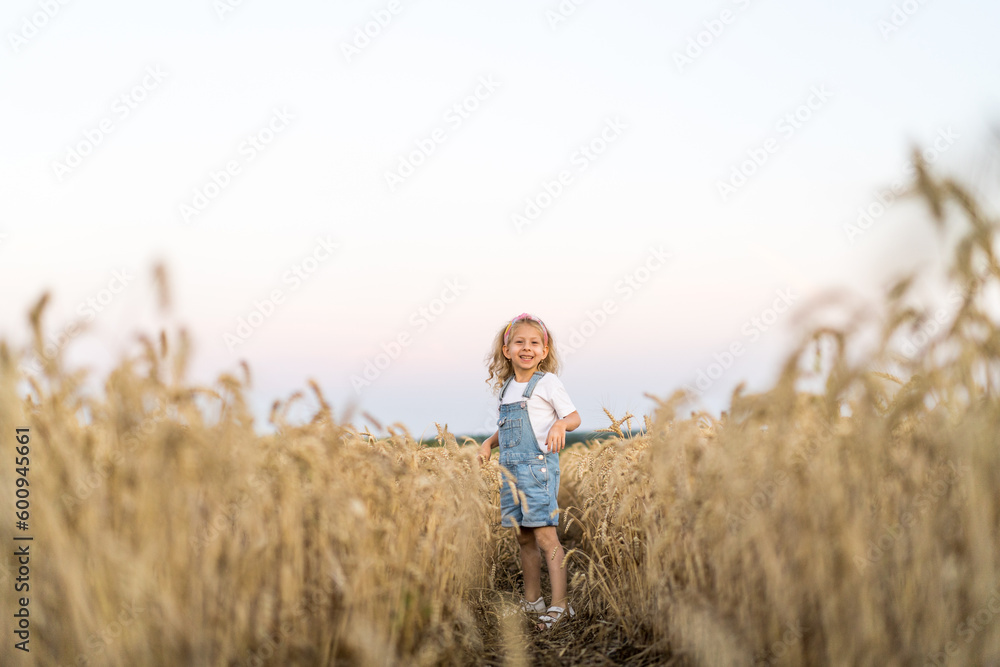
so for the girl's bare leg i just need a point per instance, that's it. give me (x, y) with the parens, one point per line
(552, 551)
(531, 564)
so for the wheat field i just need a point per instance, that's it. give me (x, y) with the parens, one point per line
(857, 525)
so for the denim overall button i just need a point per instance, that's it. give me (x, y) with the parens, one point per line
(540, 457)
(543, 469)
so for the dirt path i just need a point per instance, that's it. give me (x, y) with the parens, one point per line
(584, 640)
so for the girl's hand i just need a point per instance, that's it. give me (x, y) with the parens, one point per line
(556, 439)
(484, 453)
(487, 447)
(557, 436)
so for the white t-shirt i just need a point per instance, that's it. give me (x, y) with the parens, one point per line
(548, 404)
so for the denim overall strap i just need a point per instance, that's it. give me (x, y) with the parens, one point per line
(503, 389)
(530, 389)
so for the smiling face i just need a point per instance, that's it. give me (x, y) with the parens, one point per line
(526, 349)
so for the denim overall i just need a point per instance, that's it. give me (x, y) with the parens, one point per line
(537, 474)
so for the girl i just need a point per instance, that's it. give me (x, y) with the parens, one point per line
(534, 413)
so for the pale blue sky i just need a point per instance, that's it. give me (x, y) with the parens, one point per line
(655, 186)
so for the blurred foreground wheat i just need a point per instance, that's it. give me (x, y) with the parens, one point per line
(855, 526)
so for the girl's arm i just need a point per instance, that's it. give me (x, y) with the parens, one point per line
(487, 447)
(557, 434)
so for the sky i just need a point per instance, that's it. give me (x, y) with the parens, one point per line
(363, 193)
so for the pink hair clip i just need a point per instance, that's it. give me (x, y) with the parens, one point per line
(522, 317)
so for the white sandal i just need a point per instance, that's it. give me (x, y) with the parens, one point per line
(553, 615)
(536, 607)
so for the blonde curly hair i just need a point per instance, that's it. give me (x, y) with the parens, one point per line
(501, 368)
